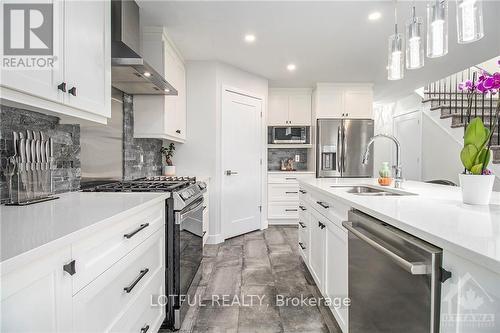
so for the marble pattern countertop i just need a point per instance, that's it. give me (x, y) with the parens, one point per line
(436, 215)
(52, 223)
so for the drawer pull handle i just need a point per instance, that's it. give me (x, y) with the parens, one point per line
(131, 234)
(291, 210)
(145, 329)
(291, 192)
(302, 224)
(302, 191)
(322, 204)
(302, 246)
(321, 225)
(302, 208)
(136, 281)
(291, 178)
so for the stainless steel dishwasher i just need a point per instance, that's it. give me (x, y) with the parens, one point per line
(394, 279)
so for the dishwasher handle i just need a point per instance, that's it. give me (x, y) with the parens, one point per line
(414, 268)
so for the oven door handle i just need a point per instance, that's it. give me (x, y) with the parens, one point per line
(196, 207)
(414, 268)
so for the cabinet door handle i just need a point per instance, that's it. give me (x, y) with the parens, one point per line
(302, 191)
(321, 225)
(302, 225)
(302, 246)
(72, 91)
(145, 329)
(136, 281)
(178, 131)
(291, 210)
(62, 86)
(302, 208)
(132, 234)
(291, 192)
(290, 178)
(70, 267)
(322, 204)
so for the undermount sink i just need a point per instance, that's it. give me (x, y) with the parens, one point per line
(372, 191)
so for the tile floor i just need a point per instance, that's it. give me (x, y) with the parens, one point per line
(259, 264)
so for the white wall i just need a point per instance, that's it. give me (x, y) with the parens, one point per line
(200, 154)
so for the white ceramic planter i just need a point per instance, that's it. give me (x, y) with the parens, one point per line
(476, 189)
(169, 170)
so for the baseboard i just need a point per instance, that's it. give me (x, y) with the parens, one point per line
(215, 239)
(265, 225)
(283, 222)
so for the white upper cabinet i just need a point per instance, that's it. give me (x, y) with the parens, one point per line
(87, 50)
(336, 100)
(162, 117)
(79, 84)
(289, 107)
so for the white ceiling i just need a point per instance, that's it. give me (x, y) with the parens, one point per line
(329, 41)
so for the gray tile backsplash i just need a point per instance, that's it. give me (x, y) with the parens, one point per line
(66, 139)
(133, 148)
(276, 155)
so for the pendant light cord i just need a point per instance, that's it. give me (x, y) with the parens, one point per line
(395, 17)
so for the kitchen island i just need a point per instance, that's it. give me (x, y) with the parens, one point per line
(469, 236)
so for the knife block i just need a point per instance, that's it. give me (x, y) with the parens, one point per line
(31, 183)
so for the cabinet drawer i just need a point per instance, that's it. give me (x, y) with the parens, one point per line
(144, 314)
(277, 210)
(97, 306)
(95, 254)
(283, 192)
(331, 209)
(287, 178)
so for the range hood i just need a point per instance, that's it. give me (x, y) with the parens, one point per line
(130, 73)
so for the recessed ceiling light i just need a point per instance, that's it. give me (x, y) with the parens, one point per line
(291, 67)
(249, 38)
(147, 74)
(374, 16)
(167, 90)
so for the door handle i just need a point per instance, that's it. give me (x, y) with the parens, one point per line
(302, 208)
(302, 225)
(62, 86)
(321, 225)
(302, 191)
(338, 154)
(230, 173)
(302, 246)
(291, 192)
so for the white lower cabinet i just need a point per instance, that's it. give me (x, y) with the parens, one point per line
(335, 285)
(37, 296)
(304, 232)
(327, 256)
(318, 250)
(99, 306)
(110, 287)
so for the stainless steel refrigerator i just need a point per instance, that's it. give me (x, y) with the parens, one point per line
(340, 145)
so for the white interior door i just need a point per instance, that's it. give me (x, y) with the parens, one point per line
(241, 154)
(408, 130)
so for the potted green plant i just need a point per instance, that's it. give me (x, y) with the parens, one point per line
(168, 152)
(477, 181)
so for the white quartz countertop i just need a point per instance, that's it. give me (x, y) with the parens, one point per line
(436, 215)
(27, 228)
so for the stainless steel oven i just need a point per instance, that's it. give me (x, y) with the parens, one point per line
(289, 134)
(188, 253)
(394, 279)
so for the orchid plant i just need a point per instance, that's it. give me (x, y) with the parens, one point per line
(476, 153)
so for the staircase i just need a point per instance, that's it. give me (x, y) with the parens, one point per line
(449, 103)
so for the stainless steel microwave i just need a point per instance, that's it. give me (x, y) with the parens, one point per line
(289, 134)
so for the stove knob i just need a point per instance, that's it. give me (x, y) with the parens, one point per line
(185, 195)
(202, 185)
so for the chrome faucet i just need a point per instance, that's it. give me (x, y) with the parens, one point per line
(398, 179)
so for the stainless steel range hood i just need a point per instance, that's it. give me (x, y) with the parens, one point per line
(130, 72)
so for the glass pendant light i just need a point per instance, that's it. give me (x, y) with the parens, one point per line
(414, 42)
(437, 28)
(395, 64)
(469, 21)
